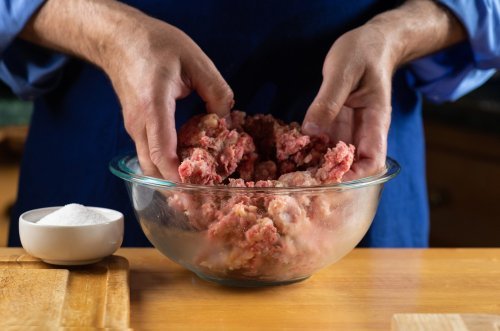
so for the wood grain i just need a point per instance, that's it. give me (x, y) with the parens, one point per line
(445, 322)
(35, 294)
(361, 292)
(9, 175)
(26, 301)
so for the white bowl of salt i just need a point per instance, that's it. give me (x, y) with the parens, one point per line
(71, 235)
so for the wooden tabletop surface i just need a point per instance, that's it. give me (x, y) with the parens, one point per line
(361, 292)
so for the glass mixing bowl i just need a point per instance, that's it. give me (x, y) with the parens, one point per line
(252, 236)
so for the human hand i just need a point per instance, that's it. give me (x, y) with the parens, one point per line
(354, 100)
(159, 65)
(150, 63)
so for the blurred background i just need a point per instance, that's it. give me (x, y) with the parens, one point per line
(463, 165)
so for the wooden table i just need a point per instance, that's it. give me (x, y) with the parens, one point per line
(361, 292)
(9, 175)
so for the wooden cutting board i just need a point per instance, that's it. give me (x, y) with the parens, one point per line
(445, 322)
(34, 294)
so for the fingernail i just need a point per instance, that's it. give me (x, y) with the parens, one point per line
(311, 129)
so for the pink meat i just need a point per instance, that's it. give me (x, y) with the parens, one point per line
(337, 161)
(299, 178)
(223, 148)
(199, 167)
(265, 170)
(253, 233)
(289, 141)
(254, 148)
(237, 120)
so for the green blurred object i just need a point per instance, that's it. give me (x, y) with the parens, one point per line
(15, 112)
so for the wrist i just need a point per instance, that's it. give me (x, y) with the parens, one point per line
(89, 29)
(418, 28)
(391, 28)
(128, 40)
(116, 39)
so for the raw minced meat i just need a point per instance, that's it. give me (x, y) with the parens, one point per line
(209, 139)
(255, 148)
(258, 234)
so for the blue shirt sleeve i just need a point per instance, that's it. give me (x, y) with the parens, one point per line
(451, 73)
(28, 69)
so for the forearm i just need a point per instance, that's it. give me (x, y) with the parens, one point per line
(418, 28)
(87, 29)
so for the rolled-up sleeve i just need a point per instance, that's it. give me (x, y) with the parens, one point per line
(451, 73)
(28, 69)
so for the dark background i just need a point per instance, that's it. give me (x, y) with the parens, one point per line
(463, 168)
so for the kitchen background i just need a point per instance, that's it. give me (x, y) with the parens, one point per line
(463, 165)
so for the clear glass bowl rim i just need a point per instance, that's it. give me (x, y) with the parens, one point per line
(119, 166)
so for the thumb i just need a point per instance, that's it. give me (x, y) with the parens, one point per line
(325, 107)
(213, 89)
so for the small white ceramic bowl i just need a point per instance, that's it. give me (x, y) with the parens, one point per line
(74, 244)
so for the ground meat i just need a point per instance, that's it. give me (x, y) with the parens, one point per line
(299, 178)
(262, 129)
(337, 161)
(289, 141)
(200, 167)
(265, 170)
(254, 148)
(207, 138)
(257, 234)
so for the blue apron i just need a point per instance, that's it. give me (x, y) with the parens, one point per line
(271, 53)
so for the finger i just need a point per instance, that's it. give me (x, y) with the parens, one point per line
(372, 128)
(162, 136)
(324, 109)
(135, 126)
(207, 81)
(341, 129)
(147, 166)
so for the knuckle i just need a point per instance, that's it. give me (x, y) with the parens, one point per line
(155, 154)
(328, 107)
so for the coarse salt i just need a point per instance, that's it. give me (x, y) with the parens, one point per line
(73, 214)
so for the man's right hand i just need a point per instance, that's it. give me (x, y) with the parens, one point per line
(151, 64)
